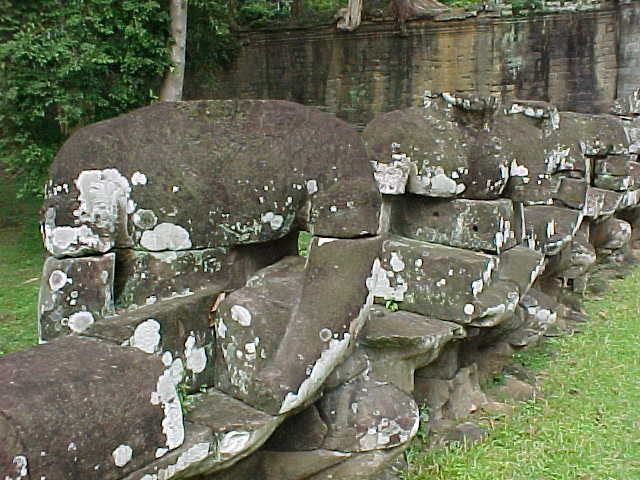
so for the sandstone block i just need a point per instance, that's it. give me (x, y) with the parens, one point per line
(74, 293)
(116, 183)
(62, 399)
(176, 328)
(433, 280)
(365, 415)
(488, 225)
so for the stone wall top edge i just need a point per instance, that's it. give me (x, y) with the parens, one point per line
(389, 27)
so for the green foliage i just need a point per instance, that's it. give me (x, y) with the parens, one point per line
(391, 304)
(304, 238)
(67, 63)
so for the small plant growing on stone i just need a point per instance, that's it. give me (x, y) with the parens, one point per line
(391, 304)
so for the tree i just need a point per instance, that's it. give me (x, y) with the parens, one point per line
(174, 79)
(67, 63)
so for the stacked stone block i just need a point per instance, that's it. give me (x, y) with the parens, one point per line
(443, 239)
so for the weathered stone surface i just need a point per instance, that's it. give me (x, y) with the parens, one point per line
(345, 212)
(179, 326)
(451, 399)
(350, 368)
(146, 277)
(62, 399)
(612, 234)
(74, 293)
(521, 266)
(363, 466)
(539, 314)
(450, 152)
(471, 224)
(247, 468)
(250, 324)
(548, 229)
(495, 304)
(571, 193)
(326, 321)
(600, 202)
(301, 432)
(433, 280)
(198, 443)
(617, 165)
(593, 135)
(246, 170)
(299, 465)
(238, 430)
(399, 342)
(445, 366)
(366, 415)
(613, 182)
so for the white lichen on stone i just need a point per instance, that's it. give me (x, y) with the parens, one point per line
(241, 315)
(274, 220)
(312, 186)
(166, 394)
(166, 236)
(80, 321)
(138, 178)
(146, 336)
(196, 356)
(234, 442)
(122, 455)
(57, 280)
(193, 455)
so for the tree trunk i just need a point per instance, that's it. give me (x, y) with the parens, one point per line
(174, 79)
(296, 8)
(350, 16)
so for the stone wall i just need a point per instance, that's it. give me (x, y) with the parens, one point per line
(184, 338)
(579, 60)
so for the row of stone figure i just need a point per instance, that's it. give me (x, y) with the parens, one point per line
(173, 236)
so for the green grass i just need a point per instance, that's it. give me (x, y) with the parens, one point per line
(586, 423)
(21, 257)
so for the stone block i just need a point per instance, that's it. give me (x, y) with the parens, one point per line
(548, 229)
(365, 415)
(392, 177)
(445, 366)
(488, 225)
(264, 160)
(447, 159)
(345, 212)
(300, 465)
(363, 466)
(600, 202)
(612, 182)
(198, 444)
(451, 399)
(62, 399)
(433, 280)
(521, 266)
(611, 234)
(616, 165)
(175, 328)
(571, 193)
(304, 431)
(250, 324)
(238, 430)
(397, 343)
(142, 277)
(74, 293)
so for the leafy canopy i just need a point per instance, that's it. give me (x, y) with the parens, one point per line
(67, 63)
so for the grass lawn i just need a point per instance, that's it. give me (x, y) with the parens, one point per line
(21, 257)
(586, 423)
